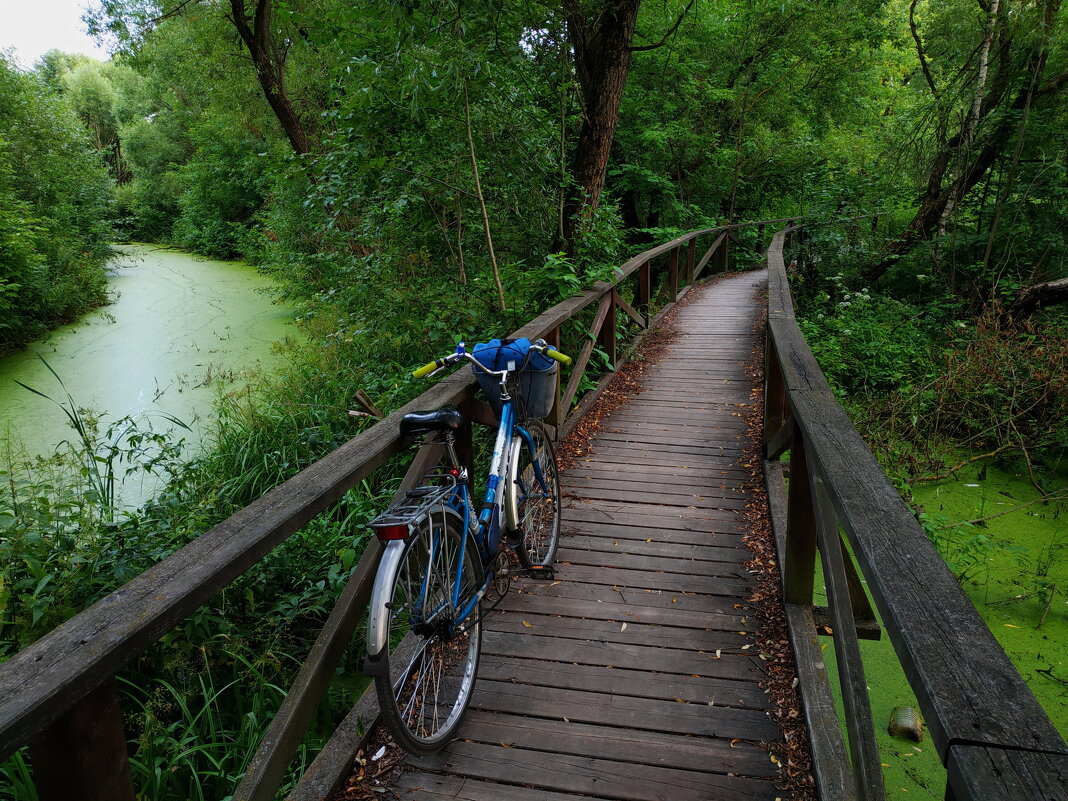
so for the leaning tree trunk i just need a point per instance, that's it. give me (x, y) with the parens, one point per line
(937, 197)
(1031, 299)
(270, 61)
(602, 45)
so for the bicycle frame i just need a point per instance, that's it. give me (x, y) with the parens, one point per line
(487, 531)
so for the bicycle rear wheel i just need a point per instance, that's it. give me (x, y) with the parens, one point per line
(428, 677)
(535, 495)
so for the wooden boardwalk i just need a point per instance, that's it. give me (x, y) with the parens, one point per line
(632, 676)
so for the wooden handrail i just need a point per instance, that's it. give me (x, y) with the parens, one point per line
(995, 740)
(44, 684)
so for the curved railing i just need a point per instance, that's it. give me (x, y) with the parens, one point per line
(991, 734)
(59, 695)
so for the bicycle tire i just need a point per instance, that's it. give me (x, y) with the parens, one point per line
(428, 677)
(536, 504)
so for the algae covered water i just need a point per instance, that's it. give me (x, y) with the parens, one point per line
(1013, 563)
(180, 327)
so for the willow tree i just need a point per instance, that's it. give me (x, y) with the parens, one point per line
(266, 35)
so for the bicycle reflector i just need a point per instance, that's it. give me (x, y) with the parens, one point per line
(391, 531)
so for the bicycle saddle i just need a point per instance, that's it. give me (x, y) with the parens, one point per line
(447, 418)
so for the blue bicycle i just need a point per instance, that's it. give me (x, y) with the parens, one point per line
(443, 554)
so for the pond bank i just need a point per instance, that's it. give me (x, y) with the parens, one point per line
(178, 327)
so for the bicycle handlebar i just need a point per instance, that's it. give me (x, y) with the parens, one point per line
(564, 359)
(427, 369)
(452, 358)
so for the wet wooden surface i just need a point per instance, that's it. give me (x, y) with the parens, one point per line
(633, 675)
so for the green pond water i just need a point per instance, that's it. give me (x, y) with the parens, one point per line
(1015, 570)
(180, 328)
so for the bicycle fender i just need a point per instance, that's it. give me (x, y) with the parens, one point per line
(378, 614)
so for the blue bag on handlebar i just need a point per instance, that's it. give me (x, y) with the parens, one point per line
(497, 354)
(536, 371)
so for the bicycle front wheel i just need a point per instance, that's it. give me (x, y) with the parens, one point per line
(535, 494)
(431, 655)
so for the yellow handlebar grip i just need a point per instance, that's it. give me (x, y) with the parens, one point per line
(425, 370)
(560, 357)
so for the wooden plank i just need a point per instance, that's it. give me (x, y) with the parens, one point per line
(651, 495)
(675, 481)
(606, 334)
(863, 749)
(574, 544)
(708, 254)
(628, 605)
(333, 764)
(631, 311)
(720, 527)
(834, 780)
(669, 563)
(418, 786)
(1005, 774)
(627, 535)
(650, 474)
(616, 510)
(526, 624)
(731, 581)
(579, 365)
(642, 714)
(706, 690)
(636, 748)
(82, 755)
(729, 665)
(717, 470)
(654, 450)
(598, 777)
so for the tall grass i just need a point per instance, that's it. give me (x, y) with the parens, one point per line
(197, 704)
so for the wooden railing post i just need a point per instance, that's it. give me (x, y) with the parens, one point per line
(82, 755)
(606, 338)
(673, 276)
(774, 391)
(799, 568)
(645, 290)
(558, 412)
(691, 260)
(863, 749)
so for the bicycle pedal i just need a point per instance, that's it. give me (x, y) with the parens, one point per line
(543, 572)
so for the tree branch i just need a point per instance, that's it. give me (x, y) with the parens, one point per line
(671, 30)
(919, 48)
(174, 12)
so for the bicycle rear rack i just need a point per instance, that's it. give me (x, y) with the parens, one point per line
(417, 504)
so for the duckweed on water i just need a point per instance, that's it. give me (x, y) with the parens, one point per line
(1014, 567)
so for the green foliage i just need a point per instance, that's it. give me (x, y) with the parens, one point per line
(870, 343)
(54, 207)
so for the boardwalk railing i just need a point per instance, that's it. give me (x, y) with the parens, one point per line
(59, 694)
(991, 734)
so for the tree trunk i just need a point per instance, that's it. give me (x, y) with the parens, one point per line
(1032, 298)
(936, 197)
(602, 44)
(270, 61)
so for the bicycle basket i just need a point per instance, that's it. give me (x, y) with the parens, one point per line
(535, 390)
